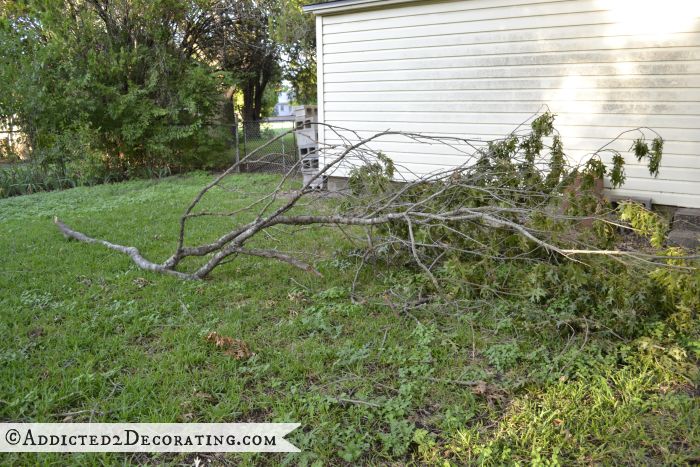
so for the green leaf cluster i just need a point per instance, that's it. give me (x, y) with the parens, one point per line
(109, 81)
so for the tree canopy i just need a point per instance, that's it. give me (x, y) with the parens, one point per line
(129, 84)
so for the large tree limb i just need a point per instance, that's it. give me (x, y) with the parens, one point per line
(147, 265)
(131, 251)
(419, 221)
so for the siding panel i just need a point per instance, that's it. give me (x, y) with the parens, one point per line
(506, 48)
(481, 16)
(490, 107)
(591, 82)
(605, 120)
(496, 24)
(621, 69)
(592, 57)
(517, 36)
(568, 94)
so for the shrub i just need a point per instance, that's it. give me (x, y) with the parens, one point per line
(91, 91)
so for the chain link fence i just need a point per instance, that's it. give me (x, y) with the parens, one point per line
(238, 142)
(278, 157)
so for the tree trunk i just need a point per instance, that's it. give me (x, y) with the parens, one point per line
(251, 109)
(227, 109)
(253, 92)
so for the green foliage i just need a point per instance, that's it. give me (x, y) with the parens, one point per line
(373, 178)
(557, 163)
(295, 31)
(642, 151)
(73, 160)
(93, 86)
(22, 179)
(681, 284)
(503, 356)
(569, 292)
(578, 423)
(646, 223)
(508, 175)
(617, 174)
(521, 180)
(243, 45)
(596, 169)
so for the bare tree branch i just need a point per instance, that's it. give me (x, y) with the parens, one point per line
(428, 216)
(131, 251)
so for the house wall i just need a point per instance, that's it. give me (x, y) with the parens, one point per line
(480, 68)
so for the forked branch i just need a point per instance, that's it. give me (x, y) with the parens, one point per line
(515, 186)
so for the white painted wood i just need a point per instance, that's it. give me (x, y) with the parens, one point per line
(655, 121)
(659, 109)
(419, 9)
(476, 130)
(513, 36)
(496, 24)
(516, 12)
(673, 158)
(590, 82)
(480, 68)
(569, 93)
(619, 69)
(505, 48)
(320, 60)
(546, 58)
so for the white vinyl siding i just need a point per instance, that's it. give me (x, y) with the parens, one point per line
(480, 68)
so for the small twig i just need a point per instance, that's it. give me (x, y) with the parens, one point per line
(386, 332)
(452, 381)
(354, 401)
(71, 414)
(300, 284)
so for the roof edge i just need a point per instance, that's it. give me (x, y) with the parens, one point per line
(338, 6)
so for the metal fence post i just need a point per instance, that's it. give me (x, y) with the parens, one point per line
(245, 138)
(295, 148)
(238, 149)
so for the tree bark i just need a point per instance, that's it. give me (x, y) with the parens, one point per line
(253, 94)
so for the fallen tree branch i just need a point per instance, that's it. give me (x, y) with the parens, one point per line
(462, 211)
(131, 251)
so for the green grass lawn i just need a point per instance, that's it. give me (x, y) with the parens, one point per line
(86, 336)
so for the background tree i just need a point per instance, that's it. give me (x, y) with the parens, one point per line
(255, 57)
(295, 31)
(115, 88)
(119, 82)
(241, 45)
